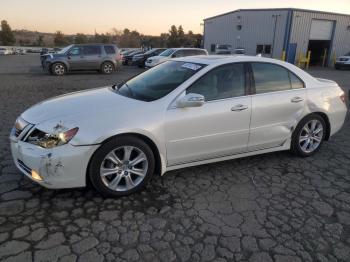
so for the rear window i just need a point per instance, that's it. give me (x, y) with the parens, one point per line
(109, 49)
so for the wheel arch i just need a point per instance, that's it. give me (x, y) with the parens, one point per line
(158, 167)
(326, 120)
(108, 61)
(61, 62)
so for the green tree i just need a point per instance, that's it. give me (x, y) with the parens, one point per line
(40, 41)
(59, 39)
(6, 34)
(173, 40)
(181, 36)
(80, 39)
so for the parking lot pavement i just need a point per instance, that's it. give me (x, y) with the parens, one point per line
(273, 207)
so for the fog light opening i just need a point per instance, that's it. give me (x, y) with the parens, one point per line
(36, 176)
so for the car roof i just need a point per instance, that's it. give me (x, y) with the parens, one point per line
(187, 48)
(217, 60)
(224, 59)
(99, 44)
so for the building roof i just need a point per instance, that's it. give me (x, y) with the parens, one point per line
(277, 9)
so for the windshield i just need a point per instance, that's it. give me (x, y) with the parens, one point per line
(167, 52)
(159, 81)
(151, 51)
(64, 50)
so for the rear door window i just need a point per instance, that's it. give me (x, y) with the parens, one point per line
(92, 50)
(270, 78)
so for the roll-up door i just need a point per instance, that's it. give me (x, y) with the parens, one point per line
(321, 29)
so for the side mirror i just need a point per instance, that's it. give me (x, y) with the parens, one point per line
(191, 100)
(173, 55)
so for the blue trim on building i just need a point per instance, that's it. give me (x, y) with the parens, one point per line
(290, 24)
(286, 31)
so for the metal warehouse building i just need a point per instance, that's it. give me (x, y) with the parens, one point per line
(274, 31)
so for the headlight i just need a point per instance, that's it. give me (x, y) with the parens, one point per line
(46, 140)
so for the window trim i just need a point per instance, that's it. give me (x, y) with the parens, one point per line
(247, 81)
(252, 79)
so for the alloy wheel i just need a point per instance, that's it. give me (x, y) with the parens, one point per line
(124, 168)
(311, 136)
(59, 69)
(107, 68)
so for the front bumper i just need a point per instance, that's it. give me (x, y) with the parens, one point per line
(342, 64)
(60, 167)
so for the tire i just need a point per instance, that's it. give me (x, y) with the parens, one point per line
(308, 136)
(58, 69)
(115, 181)
(107, 68)
(337, 67)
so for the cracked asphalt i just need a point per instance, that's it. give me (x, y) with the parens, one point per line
(273, 207)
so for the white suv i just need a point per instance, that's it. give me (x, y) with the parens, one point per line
(343, 61)
(174, 53)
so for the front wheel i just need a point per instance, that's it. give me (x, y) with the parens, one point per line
(308, 136)
(121, 166)
(58, 69)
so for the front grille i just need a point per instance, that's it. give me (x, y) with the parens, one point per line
(24, 167)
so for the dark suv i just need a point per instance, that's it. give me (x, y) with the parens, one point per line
(102, 57)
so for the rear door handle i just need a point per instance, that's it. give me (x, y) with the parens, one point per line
(239, 108)
(296, 99)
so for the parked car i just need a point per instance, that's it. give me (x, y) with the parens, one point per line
(173, 53)
(4, 51)
(223, 49)
(239, 51)
(140, 59)
(127, 58)
(20, 51)
(101, 57)
(184, 112)
(343, 61)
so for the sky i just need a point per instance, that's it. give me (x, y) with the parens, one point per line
(148, 17)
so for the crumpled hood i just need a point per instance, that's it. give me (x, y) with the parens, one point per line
(71, 106)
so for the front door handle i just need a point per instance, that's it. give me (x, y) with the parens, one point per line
(296, 99)
(239, 108)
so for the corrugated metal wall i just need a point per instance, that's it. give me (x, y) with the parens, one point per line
(301, 31)
(257, 28)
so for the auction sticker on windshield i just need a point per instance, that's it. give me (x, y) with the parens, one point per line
(191, 66)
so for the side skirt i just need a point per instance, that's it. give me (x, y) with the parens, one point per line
(285, 146)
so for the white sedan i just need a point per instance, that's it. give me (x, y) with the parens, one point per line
(184, 112)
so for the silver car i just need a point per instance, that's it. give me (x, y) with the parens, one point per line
(101, 57)
(183, 112)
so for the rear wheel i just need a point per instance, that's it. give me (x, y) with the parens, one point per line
(107, 68)
(308, 136)
(58, 69)
(121, 166)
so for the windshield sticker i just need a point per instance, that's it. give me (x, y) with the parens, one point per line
(191, 66)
